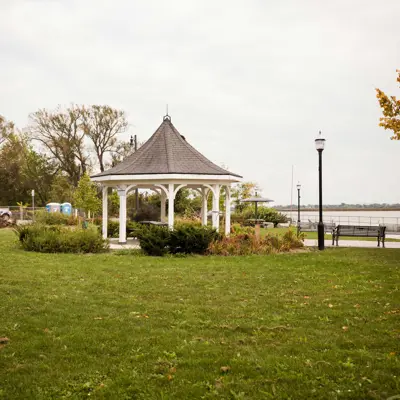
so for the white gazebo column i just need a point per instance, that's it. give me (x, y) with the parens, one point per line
(122, 215)
(204, 196)
(163, 203)
(105, 211)
(227, 210)
(215, 210)
(171, 198)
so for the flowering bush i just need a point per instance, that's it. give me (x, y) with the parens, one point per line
(246, 243)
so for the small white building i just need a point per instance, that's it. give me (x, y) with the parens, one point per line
(165, 164)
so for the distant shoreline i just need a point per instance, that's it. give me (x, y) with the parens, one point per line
(338, 209)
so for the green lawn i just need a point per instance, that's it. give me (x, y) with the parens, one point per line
(314, 235)
(307, 325)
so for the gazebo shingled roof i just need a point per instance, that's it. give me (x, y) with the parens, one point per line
(166, 152)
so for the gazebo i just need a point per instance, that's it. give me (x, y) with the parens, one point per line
(167, 163)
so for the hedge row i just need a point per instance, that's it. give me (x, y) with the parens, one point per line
(60, 239)
(186, 239)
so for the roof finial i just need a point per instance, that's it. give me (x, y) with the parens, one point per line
(166, 116)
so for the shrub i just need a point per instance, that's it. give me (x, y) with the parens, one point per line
(184, 239)
(58, 239)
(191, 239)
(133, 228)
(265, 213)
(23, 231)
(55, 218)
(154, 240)
(237, 229)
(247, 244)
(112, 229)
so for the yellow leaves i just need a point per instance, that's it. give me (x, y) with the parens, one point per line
(219, 384)
(391, 111)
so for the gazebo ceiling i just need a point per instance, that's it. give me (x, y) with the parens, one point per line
(166, 152)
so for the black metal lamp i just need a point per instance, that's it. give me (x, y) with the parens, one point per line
(298, 208)
(320, 145)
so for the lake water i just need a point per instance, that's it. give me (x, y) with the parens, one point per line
(389, 218)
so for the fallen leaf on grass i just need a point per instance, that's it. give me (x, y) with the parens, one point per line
(357, 306)
(306, 297)
(98, 318)
(345, 328)
(4, 340)
(170, 377)
(142, 316)
(330, 305)
(46, 330)
(218, 383)
(225, 369)
(393, 312)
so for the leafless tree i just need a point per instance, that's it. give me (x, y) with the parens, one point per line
(102, 124)
(61, 135)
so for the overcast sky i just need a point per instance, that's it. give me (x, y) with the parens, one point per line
(248, 83)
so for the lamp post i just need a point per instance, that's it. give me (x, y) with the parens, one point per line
(319, 145)
(133, 141)
(33, 203)
(298, 208)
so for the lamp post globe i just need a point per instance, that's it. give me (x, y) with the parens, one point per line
(298, 208)
(320, 145)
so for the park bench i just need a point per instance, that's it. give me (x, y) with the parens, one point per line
(253, 222)
(313, 226)
(158, 223)
(359, 231)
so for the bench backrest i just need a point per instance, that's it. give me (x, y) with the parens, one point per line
(353, 230)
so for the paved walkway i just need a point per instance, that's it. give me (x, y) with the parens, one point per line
(134, 244)
(130, 244)
(353, 243)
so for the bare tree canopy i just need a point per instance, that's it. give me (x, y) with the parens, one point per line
(68, 136)
(60, 133)
(102, 124)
